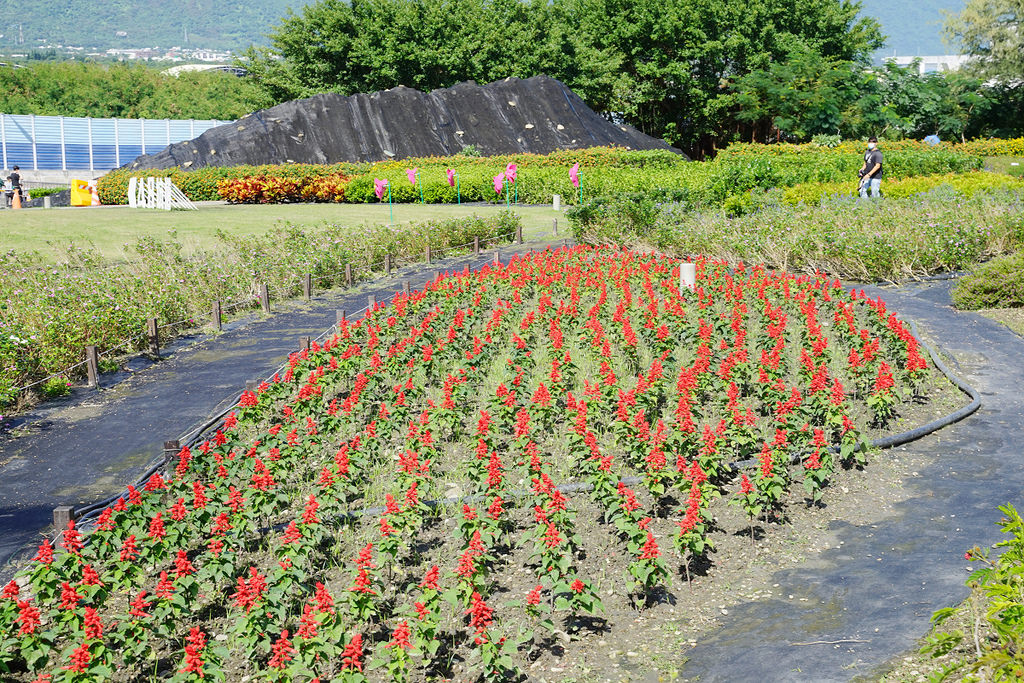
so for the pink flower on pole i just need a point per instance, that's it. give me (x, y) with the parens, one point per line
(574, 174)
(499, 183)
(378, 187)
(451, 176)
(510, 172)
(411, 173)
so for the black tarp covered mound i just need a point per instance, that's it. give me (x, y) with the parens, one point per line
(537, 115)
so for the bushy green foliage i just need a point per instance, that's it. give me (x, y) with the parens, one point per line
(992, 652)
(37, 192)
(604, 171)
(999, 283)
(125, 91)
(48, 314)
(661, 66)
(892, 239)
(966, 184)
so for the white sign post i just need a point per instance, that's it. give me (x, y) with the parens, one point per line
(687, 276)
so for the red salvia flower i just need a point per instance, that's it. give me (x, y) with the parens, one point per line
(28, 618)
(533, 597)
(400, 637)
(194, 652)
(480, 616)
(164, 587)
(69, 597)
(282, 651)
(139, 606)
(93, 625)
(308, 623)
(105, 522)
(351, 656)
(309, 514)
(72, 539)
(11, 590)
(182, 566)
(431, 578)
(650, 549)
(45, 553)
(324, 601)
(577, 586)
(292, 534)
(80, 659)
(90, 577)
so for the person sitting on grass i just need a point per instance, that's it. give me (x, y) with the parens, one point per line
(871, 173)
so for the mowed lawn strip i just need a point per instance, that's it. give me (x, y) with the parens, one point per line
(110, 229)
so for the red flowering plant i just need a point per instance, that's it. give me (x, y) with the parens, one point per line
(647, 569)
(883, 399)
(749, 499)
(575, 369)
(692, 541)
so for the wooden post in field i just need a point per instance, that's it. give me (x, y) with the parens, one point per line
(497, 257)
(171, 449)
(371, 302)
(218, 320)
(92, 366)
(265, 297)
(304, 343)
(62, 514)
(519, 234)
(339, 316)
(152, 331)
(307, 286)
(406, 289)
(554, 225)
(387, 264)
(428, 253)
(476, 246)
(348, 274)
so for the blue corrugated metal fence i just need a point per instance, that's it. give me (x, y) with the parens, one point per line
(50, 143)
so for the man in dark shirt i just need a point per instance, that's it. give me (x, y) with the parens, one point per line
(15, 186)
(871, 172)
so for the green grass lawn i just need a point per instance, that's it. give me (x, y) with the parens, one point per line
(108, 229)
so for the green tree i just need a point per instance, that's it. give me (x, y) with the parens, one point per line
(991, 31)
(663, 66)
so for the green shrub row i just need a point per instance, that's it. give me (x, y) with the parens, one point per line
(865, 240)
(603, 171)
(966, 184)
(49, 314)
(981, 148)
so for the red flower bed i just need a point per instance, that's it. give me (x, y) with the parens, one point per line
(393, 503)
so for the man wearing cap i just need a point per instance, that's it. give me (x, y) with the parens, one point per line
(871, 173)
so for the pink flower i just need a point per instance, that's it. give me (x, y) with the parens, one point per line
(451, 176)
(574, 174)
(499, 183)
(411, 174)
(510, 172)
(378, 187)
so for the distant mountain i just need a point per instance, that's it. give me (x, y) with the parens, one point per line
(105, 24)
(913, 28)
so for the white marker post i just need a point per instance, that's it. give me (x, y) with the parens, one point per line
(556, 202)
(687, 276)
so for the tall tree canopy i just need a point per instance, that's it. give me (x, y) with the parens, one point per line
(667, 67)
(992, 31)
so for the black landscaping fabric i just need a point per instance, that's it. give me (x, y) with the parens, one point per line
(536, 115)
(871, 599)
(866, 601)
(85, 448)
